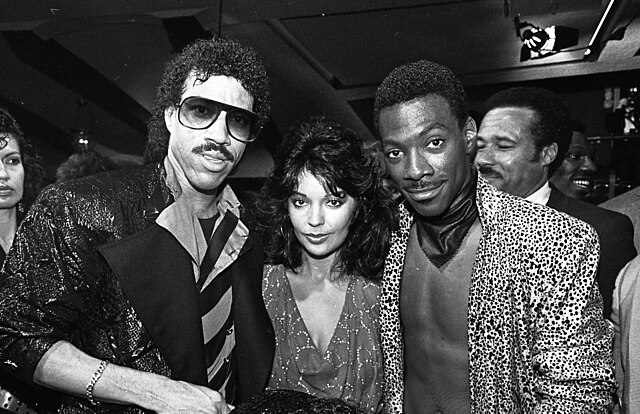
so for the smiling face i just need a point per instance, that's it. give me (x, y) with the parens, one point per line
(506, 153)
(426, 152)
(575, 176)
(11, 174)
(319, 218)
(203, 158)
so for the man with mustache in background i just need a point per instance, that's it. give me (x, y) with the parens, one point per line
(522, 141)
(140, 290)
(488, 302)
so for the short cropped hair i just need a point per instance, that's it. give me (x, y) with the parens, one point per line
(35, 177)
(416, 80)
(206, 58)
(551, 124)
(335, 156)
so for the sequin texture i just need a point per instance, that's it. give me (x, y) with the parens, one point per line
(56, 286)
(351, 367)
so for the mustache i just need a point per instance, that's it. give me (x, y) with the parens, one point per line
(489, 172)
(420, 185)
(212, 146)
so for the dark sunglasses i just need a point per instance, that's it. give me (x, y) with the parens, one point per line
(200, 113)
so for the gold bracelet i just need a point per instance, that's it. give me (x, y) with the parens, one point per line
(94, 380)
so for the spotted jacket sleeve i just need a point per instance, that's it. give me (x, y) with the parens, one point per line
(572, 350)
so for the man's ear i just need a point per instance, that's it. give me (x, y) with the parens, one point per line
(470, 134)
(169, 119)
(549, 154)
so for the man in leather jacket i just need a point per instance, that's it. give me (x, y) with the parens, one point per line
(105, 297)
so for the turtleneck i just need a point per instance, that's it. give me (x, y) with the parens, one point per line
(441, 236)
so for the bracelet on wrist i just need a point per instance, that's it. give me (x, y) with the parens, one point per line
(94, 379)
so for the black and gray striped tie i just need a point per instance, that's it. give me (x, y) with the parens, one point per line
(211, 292)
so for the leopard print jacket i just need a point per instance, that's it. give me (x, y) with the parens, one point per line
(537, 340)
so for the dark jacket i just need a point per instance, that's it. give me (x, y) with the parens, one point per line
(22, 394)
(91, 266)
(615, 232)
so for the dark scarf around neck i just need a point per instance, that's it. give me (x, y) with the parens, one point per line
(440, 237)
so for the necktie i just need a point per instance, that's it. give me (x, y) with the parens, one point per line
(215, 311)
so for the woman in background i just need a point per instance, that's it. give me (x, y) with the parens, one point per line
(21, 179)
(327, 222)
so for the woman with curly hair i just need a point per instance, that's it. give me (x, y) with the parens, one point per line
(327, 222)
(21, 179)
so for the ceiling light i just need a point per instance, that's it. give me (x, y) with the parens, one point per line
(538, 42)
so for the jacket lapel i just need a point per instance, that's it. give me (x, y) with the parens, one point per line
(557, 200)
(156, 274)
(391, 331)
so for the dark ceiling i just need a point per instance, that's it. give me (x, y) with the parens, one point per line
(323, 56)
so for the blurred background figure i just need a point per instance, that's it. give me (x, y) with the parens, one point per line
(327, 222)
(21, 179)
(626, 320)
(628, 204)
(575, 176)
(80, 164)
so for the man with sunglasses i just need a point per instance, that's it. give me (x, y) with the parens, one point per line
(139, 289)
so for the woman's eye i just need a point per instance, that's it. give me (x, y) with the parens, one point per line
(298, 202)
(14, 161)
(334, 202)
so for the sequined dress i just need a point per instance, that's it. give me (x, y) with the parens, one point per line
(351, 367)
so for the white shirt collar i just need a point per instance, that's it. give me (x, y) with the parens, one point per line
(541, 195)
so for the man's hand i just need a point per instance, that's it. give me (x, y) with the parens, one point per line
(183, 397)
(66, 368)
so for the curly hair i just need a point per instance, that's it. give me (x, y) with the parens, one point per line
(35, 176)
(418, 79)
(551, 124)
(205, 58)
(334, 155)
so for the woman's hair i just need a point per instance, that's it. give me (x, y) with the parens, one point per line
(35, 177)
(334, 155)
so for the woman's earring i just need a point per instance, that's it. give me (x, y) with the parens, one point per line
(20, 207)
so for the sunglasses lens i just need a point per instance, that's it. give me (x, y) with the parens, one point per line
(241, 124)
(201, 113)
(198, 113)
